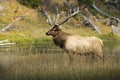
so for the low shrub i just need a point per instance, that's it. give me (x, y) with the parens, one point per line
(30, 3)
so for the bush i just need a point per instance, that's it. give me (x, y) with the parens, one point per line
(87, 2)
(31, 3)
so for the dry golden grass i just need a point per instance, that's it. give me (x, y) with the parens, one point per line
(51, 63)
(57, 66)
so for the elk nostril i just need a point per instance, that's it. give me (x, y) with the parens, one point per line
(46, 33)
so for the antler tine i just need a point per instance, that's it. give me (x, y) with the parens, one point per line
(57, 16)
(66, 18)
(49, 21)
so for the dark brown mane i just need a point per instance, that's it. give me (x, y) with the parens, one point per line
(61, 38)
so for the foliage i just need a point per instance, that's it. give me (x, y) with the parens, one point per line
(87, 2)
(94, 12)
(42, 40)
(30, 3)
(110, 37)
(22, 40)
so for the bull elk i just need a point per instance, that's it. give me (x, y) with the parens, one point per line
(70, 43)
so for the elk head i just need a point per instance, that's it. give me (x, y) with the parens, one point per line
(54, 31)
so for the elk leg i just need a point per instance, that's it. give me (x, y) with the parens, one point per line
(70, 56)
(101, 57)
(93, 57)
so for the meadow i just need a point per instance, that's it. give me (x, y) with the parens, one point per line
(51, 63)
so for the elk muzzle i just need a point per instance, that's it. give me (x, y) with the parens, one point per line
(47, 33)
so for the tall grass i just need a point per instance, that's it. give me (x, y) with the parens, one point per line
(53, 64)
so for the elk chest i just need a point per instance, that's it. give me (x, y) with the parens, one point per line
(60, 40)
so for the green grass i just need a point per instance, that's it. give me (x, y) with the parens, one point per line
(110, 38)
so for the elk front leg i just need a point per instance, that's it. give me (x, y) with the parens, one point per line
(70, 54)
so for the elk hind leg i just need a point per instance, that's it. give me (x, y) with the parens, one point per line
(100, 55)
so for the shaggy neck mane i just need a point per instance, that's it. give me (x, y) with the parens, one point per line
(60, 38)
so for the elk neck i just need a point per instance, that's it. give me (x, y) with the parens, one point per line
(60, 38)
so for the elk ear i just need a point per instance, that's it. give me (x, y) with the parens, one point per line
(58, 29)
(56, 26)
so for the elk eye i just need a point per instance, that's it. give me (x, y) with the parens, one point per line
(54, 29)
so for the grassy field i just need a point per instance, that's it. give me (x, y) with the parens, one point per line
(57, 67)
(54, 64)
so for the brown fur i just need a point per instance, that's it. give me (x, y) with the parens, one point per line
(59, 37)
